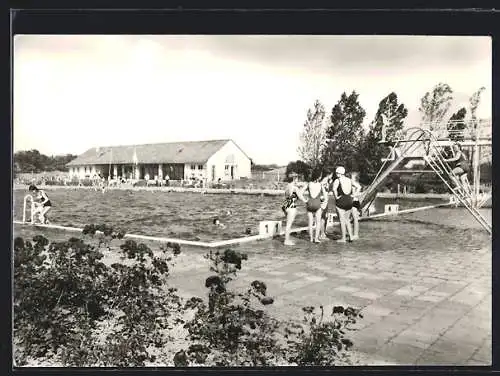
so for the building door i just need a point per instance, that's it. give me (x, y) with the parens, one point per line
(232, 172)
(213, 173)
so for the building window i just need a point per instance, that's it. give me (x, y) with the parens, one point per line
(226, 167)
(200, 167)
(193, 167)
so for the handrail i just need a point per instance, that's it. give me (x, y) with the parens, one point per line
(32, 211)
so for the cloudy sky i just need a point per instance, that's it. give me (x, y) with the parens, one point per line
(72, 93)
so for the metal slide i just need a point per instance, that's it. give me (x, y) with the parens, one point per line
(434, 158)
(405, 149)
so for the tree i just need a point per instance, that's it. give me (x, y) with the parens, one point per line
(474, 103)
(34, 161)
(313, 136)
(371, 151)
(456, 125)
(344, 134)
(299, 167)
(435, 105)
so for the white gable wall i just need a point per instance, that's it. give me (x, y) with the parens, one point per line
(229, 156)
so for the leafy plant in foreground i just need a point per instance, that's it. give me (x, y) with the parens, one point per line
(74, 305)
(232, 329)
(320, 342)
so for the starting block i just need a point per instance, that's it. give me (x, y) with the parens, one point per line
(394, 208)
(270, 228)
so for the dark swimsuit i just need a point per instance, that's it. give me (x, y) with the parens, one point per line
(47, 203)
(344, 201)
(314, 203)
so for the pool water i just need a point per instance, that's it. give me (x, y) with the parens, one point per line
(174, 214)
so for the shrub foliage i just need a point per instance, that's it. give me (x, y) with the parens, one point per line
(91, 302)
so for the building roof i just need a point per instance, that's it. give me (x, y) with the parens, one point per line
(171, 152)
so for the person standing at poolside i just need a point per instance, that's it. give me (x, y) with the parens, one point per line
(43, 205)
(328, 206)
(356, 206)
(342, 190)
(317, 195)
(289, 206)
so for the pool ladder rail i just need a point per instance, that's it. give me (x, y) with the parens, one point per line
(32, 208)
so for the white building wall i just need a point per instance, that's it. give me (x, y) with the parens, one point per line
(229, 156)
(198, 170)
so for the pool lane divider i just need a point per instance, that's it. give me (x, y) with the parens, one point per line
(223, 243)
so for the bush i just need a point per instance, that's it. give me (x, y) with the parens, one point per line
(73, 307)
(231, 329)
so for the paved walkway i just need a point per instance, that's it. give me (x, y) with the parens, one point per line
(423, 306)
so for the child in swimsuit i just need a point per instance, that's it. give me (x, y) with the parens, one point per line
(44, 204)
(342, 189)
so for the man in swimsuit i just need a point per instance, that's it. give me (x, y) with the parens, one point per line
(342, 189)
(317, 195)
(44, 204)
(460, 168)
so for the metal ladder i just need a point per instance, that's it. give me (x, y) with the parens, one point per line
(463, 194)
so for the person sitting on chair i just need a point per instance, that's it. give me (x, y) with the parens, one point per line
(460, 167)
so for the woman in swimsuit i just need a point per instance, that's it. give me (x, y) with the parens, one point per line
(460, 167)
(342, 189)
(289, 206)
(317, 196)
(44, 204)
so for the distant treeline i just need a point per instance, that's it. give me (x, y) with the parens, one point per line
(34, 161)
(264, 168)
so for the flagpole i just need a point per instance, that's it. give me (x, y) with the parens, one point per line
(109, 169)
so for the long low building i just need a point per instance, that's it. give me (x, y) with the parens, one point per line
(211, 160)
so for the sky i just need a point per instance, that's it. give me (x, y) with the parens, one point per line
(75, 92)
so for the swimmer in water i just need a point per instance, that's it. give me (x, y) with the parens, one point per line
(218, 223)
(43, 205)
(317, 196)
